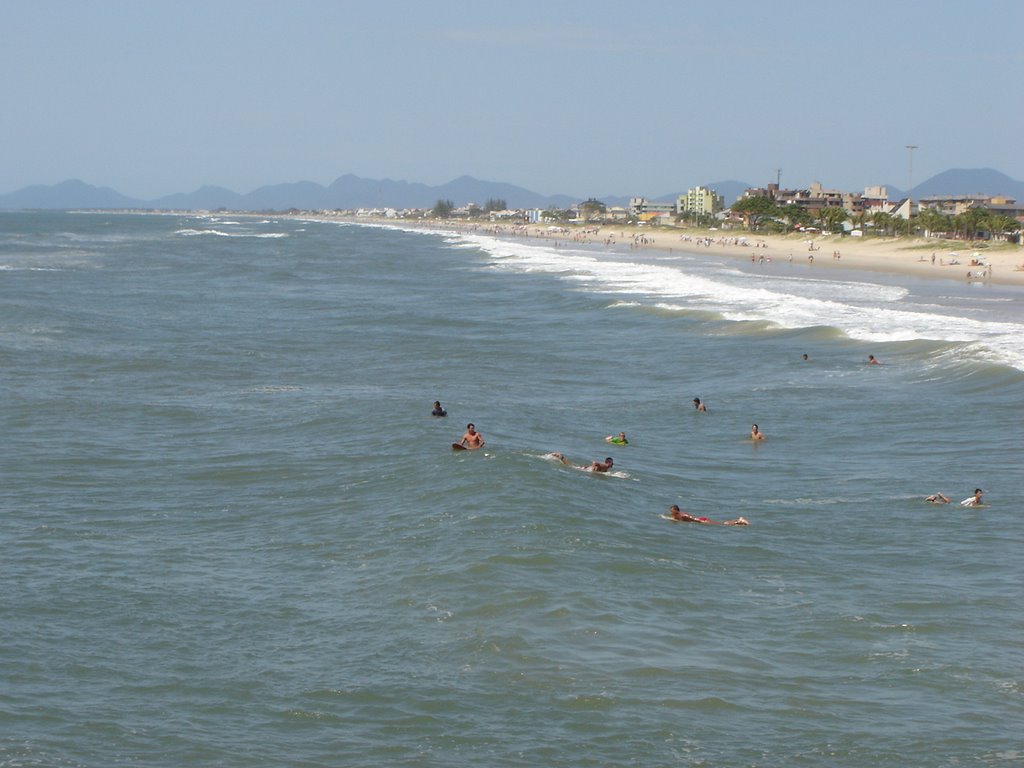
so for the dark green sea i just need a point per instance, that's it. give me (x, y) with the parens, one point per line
(231, 534)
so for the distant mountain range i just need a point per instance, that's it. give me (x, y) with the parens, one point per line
(350, 192)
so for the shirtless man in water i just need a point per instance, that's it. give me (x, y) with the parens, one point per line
(472, 439)
(685, 517)
(755, 433)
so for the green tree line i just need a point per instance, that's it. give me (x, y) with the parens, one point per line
(763, 213)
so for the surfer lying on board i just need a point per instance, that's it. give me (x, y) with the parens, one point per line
(472, 439)
(685, 517)
(594, 466)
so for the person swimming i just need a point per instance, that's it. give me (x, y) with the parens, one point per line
(619, 439)
(679, 516)
(594, 466)
(698, 405)
(755, 433)
(973, 501)
(438, 410)
(937, 498)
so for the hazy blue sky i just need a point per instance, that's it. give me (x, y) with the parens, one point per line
(581, 98)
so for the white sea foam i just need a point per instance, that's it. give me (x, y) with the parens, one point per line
(220, 233)
(863, 310)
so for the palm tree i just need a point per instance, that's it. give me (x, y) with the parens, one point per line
(933, 221)
(971, 221)
(860, 221)
(885, 222)
(797, 216)
(1003, 225)
(832, 219)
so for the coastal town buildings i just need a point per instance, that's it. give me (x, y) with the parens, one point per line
(903, 209)
(875, 200)
(954, 205)
(815, 208)
(641, 208)
(700, 201)
(814, 199)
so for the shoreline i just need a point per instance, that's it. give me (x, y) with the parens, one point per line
(1002, 264)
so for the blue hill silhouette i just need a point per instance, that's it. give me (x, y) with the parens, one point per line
(350, 192)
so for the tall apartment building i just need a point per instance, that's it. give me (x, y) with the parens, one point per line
(701, 201)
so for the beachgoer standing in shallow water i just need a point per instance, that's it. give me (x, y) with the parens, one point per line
(438, 410)
(755, 433)
(698, 405)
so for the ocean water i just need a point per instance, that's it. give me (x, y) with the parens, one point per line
(232, 534)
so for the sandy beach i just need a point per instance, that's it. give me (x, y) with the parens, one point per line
(1001, 263)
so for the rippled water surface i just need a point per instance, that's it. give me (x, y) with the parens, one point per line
(232, 534)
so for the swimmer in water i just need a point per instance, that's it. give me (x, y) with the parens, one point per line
(438, 410)
(937, 498)
(698, 405)
(685, 517)
(472, 439)
(755, 433)
(619, 439)
(973, 501)
(872, 360)
(806, 357)
(594, 466)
